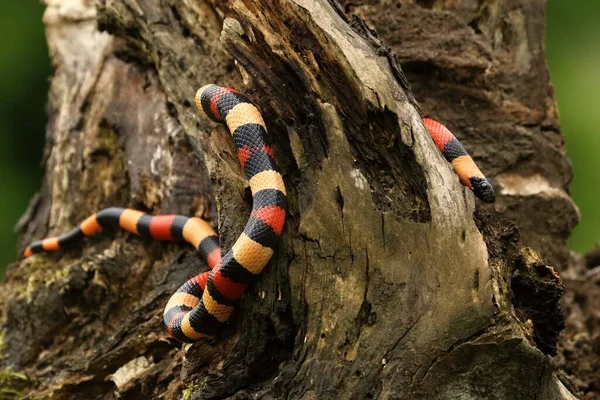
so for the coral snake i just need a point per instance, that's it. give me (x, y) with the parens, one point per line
(203, 305)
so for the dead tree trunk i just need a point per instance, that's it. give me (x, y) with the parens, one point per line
(390, 282)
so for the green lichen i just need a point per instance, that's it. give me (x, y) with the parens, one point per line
(21, 290)
(108, 140)
(104, 160)
(192, 388)
(39, 274)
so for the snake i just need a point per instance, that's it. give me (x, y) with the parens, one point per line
(203, 305)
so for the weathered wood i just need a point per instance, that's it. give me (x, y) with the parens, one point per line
(480, 67)
(390, 282)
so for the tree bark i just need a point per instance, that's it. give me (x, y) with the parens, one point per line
(390, 281)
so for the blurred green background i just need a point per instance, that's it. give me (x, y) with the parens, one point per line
(573, 54)
(24, 73)
(572, 50)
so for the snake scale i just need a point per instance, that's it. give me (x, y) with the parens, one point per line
(202, 306)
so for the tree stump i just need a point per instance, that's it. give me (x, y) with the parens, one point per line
(390, 281)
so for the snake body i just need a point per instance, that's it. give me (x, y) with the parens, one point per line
(202, 305)
(195, 231)
(468, 172)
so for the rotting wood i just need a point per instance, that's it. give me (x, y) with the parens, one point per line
(385, 284)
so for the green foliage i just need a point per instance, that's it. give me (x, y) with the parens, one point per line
(11, 384)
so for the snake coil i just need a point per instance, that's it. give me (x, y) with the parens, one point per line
(202, 306)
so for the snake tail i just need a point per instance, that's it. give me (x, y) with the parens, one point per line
(195, 231)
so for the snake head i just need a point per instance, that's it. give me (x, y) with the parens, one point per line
(483, 189)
